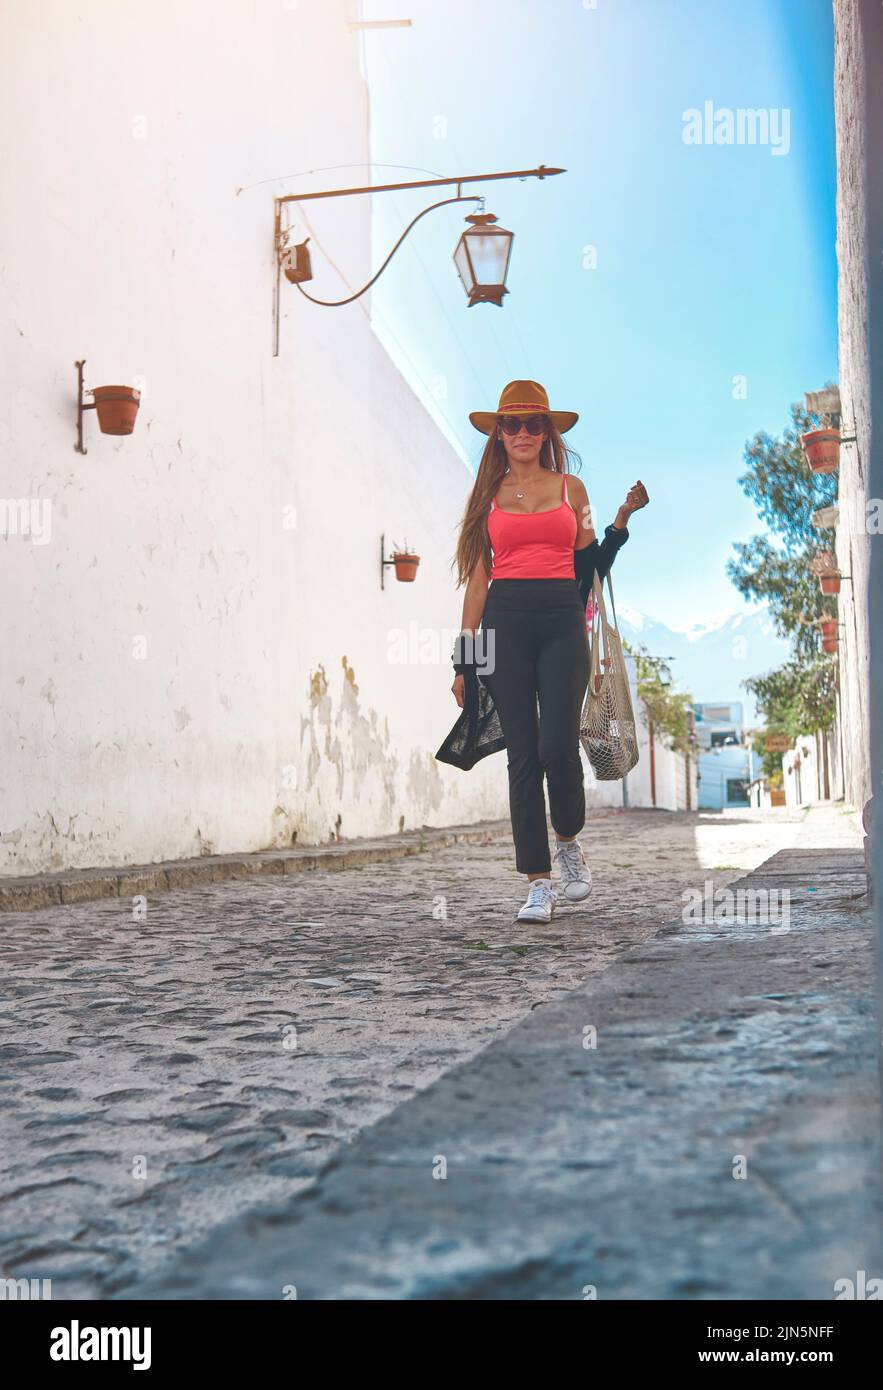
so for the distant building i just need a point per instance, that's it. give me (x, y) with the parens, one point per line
(718, 725)
(725, 775)
(727, 767)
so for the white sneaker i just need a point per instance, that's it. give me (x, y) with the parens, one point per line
(576, 876)
(540, 903)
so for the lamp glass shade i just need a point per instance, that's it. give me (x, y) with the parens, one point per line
(482, 258)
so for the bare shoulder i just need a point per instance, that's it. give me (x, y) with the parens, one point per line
(579, 500)
(576, 491)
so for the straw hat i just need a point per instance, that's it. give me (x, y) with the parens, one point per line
(523, 398)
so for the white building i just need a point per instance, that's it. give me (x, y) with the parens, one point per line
(803, 771)
(719, 724)
(725, 775)
(727, 766)
(199, 656)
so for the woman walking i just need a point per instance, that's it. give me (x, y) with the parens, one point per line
(527, 554)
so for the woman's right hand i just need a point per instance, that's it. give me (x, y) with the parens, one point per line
(459, 689)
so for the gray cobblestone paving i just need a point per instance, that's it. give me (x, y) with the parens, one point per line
(149, 1081)
(720, 1139)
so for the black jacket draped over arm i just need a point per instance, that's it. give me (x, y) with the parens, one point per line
(597, 559)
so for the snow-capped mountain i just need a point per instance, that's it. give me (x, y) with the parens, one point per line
(711, 657)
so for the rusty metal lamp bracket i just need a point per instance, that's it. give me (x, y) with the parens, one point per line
(280, 235)
(81, 406)
(383, 561)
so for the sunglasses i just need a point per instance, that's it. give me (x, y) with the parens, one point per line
(510, 424)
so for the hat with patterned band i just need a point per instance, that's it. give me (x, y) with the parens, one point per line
(523, 398)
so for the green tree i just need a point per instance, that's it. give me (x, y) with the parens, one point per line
(786, 493)
(671, 711)
(770, 761)
(798, 698)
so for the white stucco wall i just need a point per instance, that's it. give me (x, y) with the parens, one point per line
(853, 541)
(802, 783)
(181, 672)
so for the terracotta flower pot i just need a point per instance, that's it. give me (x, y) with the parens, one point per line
(116, 408)
(406, 566)
(822, 562)
(829, 644)
(830, 582)
(822, 449)
(828, 627)
(826, 518)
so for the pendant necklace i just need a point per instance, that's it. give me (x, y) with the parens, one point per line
(521, 494)
(518, 494)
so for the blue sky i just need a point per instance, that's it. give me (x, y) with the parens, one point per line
(713, 261)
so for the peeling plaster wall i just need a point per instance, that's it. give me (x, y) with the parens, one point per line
(200, 658)
(852, 735)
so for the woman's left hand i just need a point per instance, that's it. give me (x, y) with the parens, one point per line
(636, 499)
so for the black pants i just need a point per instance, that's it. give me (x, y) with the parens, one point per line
(540, 653)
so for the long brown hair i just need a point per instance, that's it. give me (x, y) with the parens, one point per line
(474, 543)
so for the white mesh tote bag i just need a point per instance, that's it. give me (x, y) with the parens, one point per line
(607, 727)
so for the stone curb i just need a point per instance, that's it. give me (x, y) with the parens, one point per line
(89, 885)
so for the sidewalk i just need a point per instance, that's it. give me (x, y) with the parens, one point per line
(719, 1049)
(28, 892)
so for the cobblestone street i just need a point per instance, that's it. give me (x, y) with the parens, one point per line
(168, 1074)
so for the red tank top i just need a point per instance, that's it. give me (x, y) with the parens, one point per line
(537, 545)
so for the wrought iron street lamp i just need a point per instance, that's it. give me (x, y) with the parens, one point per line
(481, 257)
